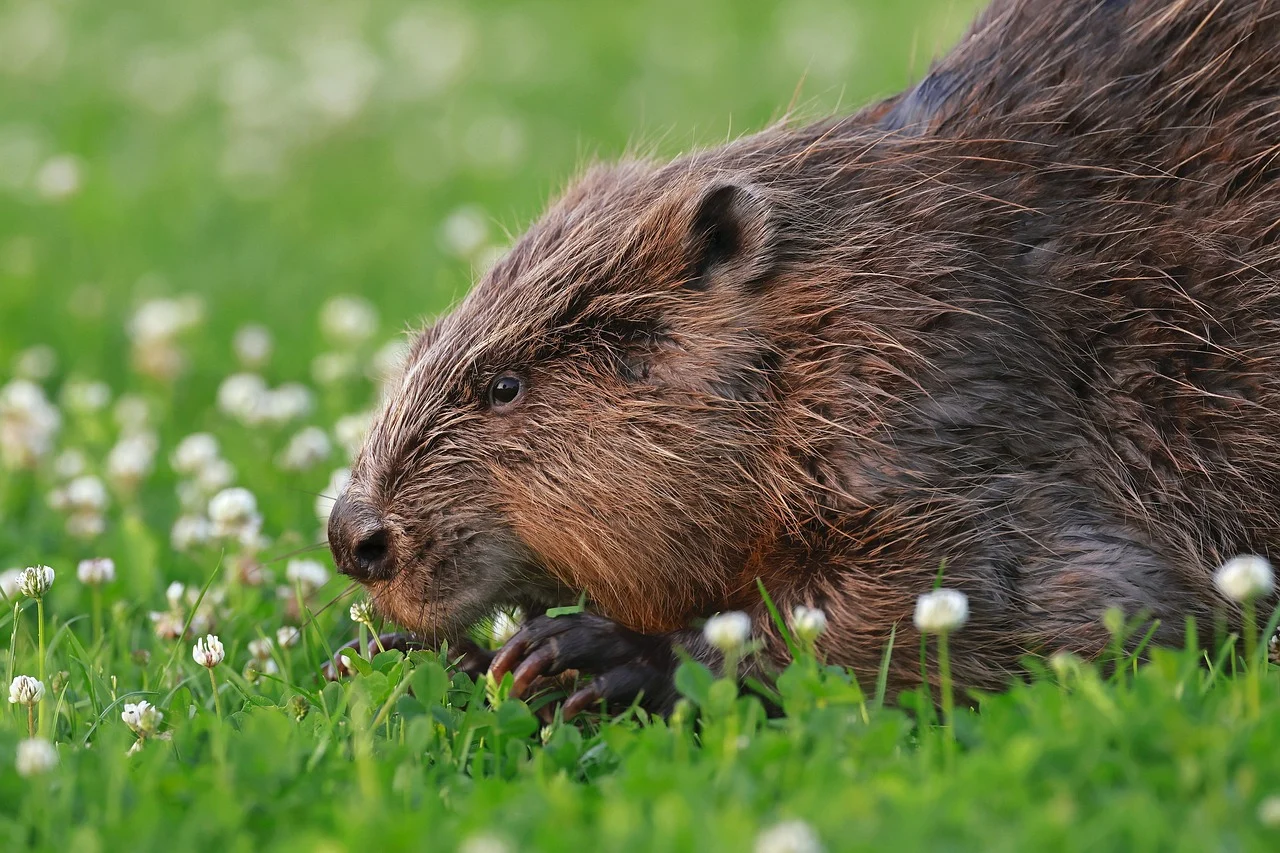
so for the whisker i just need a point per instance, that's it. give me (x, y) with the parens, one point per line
(312, 494)
(303, 550)
(316, 613)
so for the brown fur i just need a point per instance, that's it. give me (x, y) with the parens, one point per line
(1023, 320)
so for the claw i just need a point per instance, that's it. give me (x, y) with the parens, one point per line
(619, 686)
(508, 657)
(583, 699)
(625, 665)
(533, 667)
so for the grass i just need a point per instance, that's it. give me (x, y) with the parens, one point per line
(264, 158)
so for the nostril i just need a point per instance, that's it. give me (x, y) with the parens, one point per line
(371, 552)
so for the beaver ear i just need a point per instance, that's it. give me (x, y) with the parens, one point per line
(730, 237)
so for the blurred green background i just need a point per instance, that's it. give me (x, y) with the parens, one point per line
(268, 155)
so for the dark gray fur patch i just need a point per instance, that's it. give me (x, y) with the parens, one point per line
(916, 109)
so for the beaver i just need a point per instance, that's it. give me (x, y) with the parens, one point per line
(1019, 325)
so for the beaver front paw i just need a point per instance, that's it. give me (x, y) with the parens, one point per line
(624, 665)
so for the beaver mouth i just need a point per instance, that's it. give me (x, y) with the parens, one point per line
(442, 595)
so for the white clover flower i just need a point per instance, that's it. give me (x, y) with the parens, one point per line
(96, 572)
(85, 494)
(252, 346)
(729, 631)
(35, 756)
(57, 500)
(339, 76)
(36, 363)
(84, 499)
(362, 611)
(505, 625)
(308, 574)
(59, 177)
(179, 596)
(348, 321)
(11, 583)
(86, 525)
(241, 396)
(465, 231)
(941, 611)
(249, 569)
(190, 531)
(289, 402)
(1269, 811)
(330, 368)
(193, 453)
(260, 648)
(1245, 577)
(20, 397)
(132, 459)
(234, 514)
(215, 476)
(35, 581)
(176, 594)
(351, 431)
(287, 636)
(338, 482)
(253, 542)
(70, 463)
(165, 319)
(208, 651)
(86, 397)
(25, 690)
(142, 717)
(28, 424)
(155, 331)
(389, 361)
(484, 843)
(23, 394)
(808, 622)
(159, 358)
(257, 666)
(791, 836)
(305, 450)
(132, 414)
(129, 715)
(430, 48)
(168, 625)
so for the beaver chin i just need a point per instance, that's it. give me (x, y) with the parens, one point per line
(443, 598)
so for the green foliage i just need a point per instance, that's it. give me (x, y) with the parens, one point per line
(1167, 758)
(266, 157)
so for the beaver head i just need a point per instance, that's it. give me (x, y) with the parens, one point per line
(602, 414)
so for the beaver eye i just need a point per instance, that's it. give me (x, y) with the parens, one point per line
(504, 390)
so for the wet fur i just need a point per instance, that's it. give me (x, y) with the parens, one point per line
(1023, 320)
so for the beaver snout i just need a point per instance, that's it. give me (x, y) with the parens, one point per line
(360, 541)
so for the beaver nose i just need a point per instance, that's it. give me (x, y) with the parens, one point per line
(359, 541)
(372, 553)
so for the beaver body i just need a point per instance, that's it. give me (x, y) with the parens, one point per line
(1020, 323)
